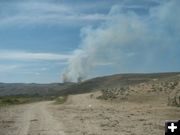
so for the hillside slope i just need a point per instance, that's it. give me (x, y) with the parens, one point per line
(112, 83)
(119, 81)
(7, 89)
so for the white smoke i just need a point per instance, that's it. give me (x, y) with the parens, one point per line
(126, 38)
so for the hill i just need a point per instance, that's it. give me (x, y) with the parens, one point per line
(119, 81)
(9, 89)
(133, 87)
(114, 87)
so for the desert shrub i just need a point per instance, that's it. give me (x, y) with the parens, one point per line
(10, 101)
(61, 99)
(20, 99)
(114, 93)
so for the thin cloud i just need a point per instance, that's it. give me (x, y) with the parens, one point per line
(61, 13)
(30, 56)
(44, 13)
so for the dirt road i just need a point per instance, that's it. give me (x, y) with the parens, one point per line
(31, 119)
(83, 114)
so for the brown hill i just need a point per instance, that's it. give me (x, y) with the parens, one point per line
(119, 81)
(113, 87)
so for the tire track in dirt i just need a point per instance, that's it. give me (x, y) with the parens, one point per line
(30, 119)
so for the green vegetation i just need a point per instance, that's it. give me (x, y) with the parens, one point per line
(21, 99)
(61, 99)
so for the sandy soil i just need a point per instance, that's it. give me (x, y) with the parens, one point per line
(83, 114)
(31, 119)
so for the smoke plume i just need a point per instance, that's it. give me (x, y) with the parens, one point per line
(130, 41)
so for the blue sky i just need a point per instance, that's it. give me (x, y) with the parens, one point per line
(43, 40)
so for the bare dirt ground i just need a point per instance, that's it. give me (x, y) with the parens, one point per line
(83, 114)
(30, 119)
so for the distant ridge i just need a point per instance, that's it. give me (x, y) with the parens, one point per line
(9, 89)
(93, 84)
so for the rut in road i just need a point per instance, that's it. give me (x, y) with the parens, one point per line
(32, 119)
